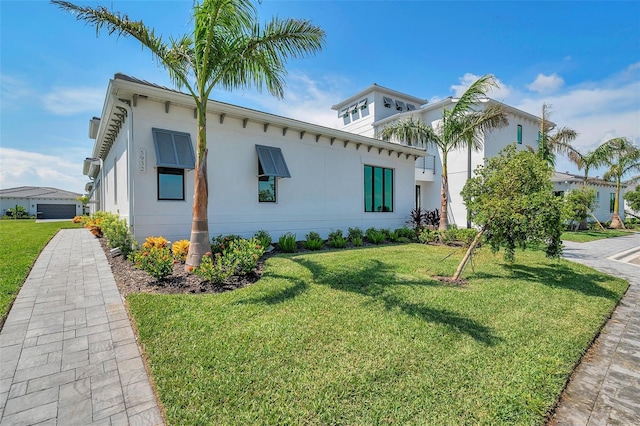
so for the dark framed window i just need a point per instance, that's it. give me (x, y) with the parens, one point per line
(378, 189)
(266, 187)
(418, 202)
(170, 184)
(612, 202)
(271, 166)
(519, 134)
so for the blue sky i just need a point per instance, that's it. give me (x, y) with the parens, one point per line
(582, 57)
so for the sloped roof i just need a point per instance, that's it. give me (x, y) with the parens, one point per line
(37, 192)
(571, 178)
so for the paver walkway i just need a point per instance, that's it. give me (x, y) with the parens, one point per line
(605, 388)
(68, 354)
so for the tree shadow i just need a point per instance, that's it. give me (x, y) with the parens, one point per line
(374, 279)
(281, 296)
(558, 276)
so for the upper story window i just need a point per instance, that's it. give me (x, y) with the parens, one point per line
(519, 134)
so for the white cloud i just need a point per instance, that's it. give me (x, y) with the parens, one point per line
(13, 91)
(500, 93)
(25, 168)
(546, 83)
(69, 101)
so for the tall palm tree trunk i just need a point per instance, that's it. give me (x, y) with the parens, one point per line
(444, 196)
(615, 220)
(199, 243)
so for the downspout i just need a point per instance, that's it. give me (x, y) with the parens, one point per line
(130, 156)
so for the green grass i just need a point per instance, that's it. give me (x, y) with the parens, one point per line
(586, 236)
(366, 336)
(21, 241)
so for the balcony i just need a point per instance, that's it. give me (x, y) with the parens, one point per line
(426, 168)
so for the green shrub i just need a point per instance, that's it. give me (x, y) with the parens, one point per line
(155, 261)
(313, 241)
(466, 236)
(180, 249)
(214, 268)
(243, 255)
(406, 233)
(354, 233)
(287, 242)
(428, 236)
(336, 240)
(220, 243)
(264, 238)
(403, 240)
(116, 232)
(389, 235)
(375, 236)
(357, 241)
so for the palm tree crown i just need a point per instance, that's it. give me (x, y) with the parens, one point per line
(227, 48)
(558, 142)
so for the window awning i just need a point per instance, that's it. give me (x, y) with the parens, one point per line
(173, 149)
(272, 162)
(362, 104)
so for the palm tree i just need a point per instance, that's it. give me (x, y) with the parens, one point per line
(558, 142)
(623, 158)
(461, 127)
(227, 48)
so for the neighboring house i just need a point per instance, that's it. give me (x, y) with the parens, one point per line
(42, 202)
(627, 207)
(605, 193)
(384, 106)
(264, 171)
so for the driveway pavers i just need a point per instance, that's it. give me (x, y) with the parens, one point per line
(68, 354)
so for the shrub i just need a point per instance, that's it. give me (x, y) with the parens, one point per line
(416, 218)
(357, 241)
(214, 268)
(118, 235)
(313, 241)
(220, 243)
(428, 236)
(158, 242)
(449, 236)
(287, 242)
(466, 236)
(155, 261)
(336, 240)
(432, 218)
(243, 255)
(389, 235)
(180, 250)
(403, 240)
(78, 219)
(355, 233)
(406, 233)
(375, 236)
(264, 238)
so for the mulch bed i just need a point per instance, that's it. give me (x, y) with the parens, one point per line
(131, 280)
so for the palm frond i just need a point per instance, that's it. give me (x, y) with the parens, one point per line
(473, 94)
(410, 131)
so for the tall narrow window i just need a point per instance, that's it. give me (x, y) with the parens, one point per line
(612, 202)
(115, 181)
(271, 165)
(519, 134)
(170, 183)
(418, 202)
(378, 189)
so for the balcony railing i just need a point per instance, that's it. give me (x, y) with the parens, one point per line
(427, 162)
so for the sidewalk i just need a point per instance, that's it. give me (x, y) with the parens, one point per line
(68, 354)
(605, 388)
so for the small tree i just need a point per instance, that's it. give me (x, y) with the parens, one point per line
(511, 200)
(633, 198)
(624, 158)
(578, 203)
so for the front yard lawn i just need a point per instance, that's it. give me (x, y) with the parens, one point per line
(586, 236)
(366, 336)
(21, 241)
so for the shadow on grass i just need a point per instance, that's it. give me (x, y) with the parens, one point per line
(558, 276)
(277, 297)
(374, 279)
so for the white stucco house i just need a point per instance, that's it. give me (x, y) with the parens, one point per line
(265, 171)
(605, 193)
(390, 106)
(41, 202)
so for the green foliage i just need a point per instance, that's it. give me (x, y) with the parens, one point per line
(428, 236)
(633, 198)
(179, 249)
(287, 243)
(17, 212)
(115, 230)
(336, 240)
(155, 261)
(357, 241)
(389, 235)
(354, 233)
(407, 233)
(243, 255)
(215, 268)
(375, 236)
(511, 199)
(220, 243)
(577, 204)
(264, 237)
(313, 241)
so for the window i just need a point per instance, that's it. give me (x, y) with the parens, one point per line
(115, 181)
(362, 104)
(411, 107)
(558, 193)
(400, 106)
(170, 183)
(378, 189)
(519, 134)
(271, 165)
(173, 149)
(612, 202)
(418, 202)
(387, 102)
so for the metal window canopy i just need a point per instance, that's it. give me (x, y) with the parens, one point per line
(173, 149)
(272, 162)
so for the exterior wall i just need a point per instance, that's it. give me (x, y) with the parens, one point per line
(603, 194)
(325, 191)
(31, 204)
